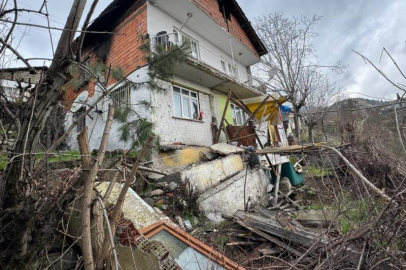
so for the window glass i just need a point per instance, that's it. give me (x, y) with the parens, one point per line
(185, 256)
(223, 66)
(195, 49)
(186, 107)
(195, 109)
(238, 116)
(244, 117)
(233, 113)
(186, 103)
(177, 105)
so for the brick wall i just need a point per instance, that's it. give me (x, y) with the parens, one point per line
(211, 8)
(119, 51)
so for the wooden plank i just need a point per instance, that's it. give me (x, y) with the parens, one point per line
(223, 117)
(278, 178)
(247, 110)
(285, 223)
(289, 199)
(269, 238)
(288, 149)
(242, 243)
(271, 226)
(264, 211)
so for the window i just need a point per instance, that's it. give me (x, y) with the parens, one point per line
(238, 115)
(232, 71)
(121, 97)
(188, 252)
(181, 38)
(185, 103)
(81, 124)
(223, 66)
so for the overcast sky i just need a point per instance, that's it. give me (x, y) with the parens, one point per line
(362, 25)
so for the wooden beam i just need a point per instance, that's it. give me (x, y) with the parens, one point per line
(274, 228)
(252, 116)
(267, 236)
(222, 117)
(278, 179)
(247, 110)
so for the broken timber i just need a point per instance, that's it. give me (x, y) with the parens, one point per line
(248, 112)
(288, 149)
(223, 117)
(280, 230)
(252, 116)
(273, 227)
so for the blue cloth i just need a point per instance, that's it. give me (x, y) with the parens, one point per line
(285, 109)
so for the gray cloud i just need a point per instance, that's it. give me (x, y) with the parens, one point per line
(362, 25)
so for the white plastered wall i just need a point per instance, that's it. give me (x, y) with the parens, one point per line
(172, 129)
(95, 122)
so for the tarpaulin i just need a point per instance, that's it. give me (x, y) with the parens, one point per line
(269, 112)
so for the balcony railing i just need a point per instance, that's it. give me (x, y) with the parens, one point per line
(204, 55)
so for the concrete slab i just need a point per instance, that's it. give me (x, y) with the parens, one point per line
(209, 174)
(135, 208)
(228, 197)
(326, 214)
(226, 149)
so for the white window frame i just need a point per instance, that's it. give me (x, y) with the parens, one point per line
(223, 65)
(181, 38)
(237, 111)
(232, 71)
(190, 97)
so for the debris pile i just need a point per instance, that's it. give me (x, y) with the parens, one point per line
(277, 233)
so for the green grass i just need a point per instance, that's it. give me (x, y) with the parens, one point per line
(133, 154)
(318, 171)
(355, 213)
(62, 157)
(3, 162)
(221, 241)
(317, 206)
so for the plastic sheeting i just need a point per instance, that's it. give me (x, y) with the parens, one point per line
(269, 111)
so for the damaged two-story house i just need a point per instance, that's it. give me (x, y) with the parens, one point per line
(211, 98)
(223, 45)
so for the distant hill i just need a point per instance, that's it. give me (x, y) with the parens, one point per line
(354, 103)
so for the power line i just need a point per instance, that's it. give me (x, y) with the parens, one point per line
(43, 14)
(60, 29)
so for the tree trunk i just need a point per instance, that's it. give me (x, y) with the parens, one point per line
(296, 122)
(310, 132)
(323, 129)
(20, 191)
(33, 118)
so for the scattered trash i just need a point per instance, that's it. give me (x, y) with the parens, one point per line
(188, 225)
(157, 192)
